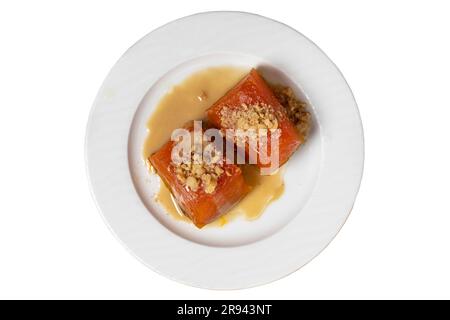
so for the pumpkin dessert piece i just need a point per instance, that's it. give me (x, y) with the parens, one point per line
(204, 187)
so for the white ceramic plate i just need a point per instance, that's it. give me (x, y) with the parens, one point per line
(322, 179)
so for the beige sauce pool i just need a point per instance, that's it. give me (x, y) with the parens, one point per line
(189, 101)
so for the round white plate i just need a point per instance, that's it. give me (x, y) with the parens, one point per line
(322, 178)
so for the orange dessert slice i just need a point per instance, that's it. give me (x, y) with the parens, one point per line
(251, 104)
(204, 191)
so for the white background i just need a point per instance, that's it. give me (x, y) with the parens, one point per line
(55, 54)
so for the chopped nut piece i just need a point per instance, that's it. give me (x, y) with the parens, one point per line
(192, 183)
(197, 169)
(206, 178)
(218, 171)
(211, 186)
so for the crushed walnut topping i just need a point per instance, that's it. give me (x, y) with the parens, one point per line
(200, 174)
(255, 116)
(295, 108)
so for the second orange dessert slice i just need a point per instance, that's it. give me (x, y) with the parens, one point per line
(203, 191)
